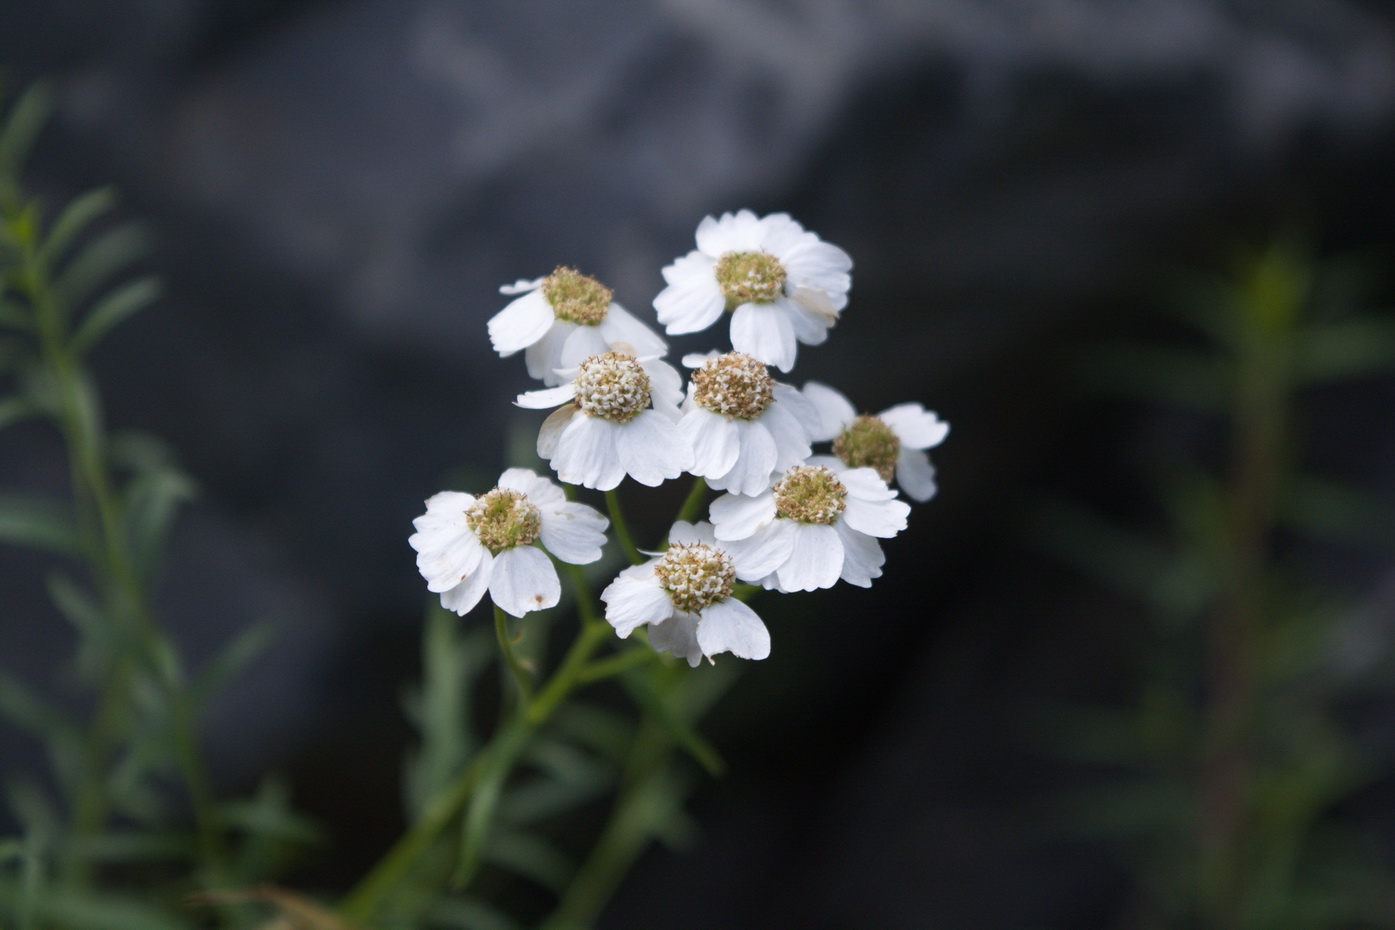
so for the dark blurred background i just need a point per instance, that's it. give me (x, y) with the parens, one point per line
(337, 188)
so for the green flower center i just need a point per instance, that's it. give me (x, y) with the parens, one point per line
(577, 298)
(695, 576)
(810, 494)
(613, 387)
(734, 385)
(503, 519)
(867, 442)
(750, 278)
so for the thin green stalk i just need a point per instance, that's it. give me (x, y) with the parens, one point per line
(693, 501)
(616, 664)
(520, 673)
(622, 529)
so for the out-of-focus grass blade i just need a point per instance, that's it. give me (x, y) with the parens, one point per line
(38, 523)
(74, 219)
(113, 309)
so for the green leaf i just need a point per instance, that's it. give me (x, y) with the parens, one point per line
(152, 499)
(532, 857)
(249, 642)
(22, 126)
(1346, 349)
(1335, 512)
(98, 261)
(134, 846)
(641, 688)
(73, 221)
(15, 410)
(107, 913)
(26, 710)
(113, 309)
(469, 913)
(38, 523)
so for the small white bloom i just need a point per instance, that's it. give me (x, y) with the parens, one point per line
(782, 284)
(618, 417)
(564, 318)
(893, 442)
(743, 425)
(684, 595)
(818, 523)
(466, 544)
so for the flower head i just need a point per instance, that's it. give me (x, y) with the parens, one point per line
(816, 523)
(466, 544)
(564, 318)
(782, 284)
(892, 443)
(743, 425)
(684, 595)
(617, 418)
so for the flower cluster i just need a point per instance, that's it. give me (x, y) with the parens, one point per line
(790, 520)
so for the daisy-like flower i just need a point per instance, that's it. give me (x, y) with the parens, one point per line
(819, 522)
(618, 417)
(893, 442)
(743, 425)
(564, 318)
(684, 595)
(782, 284)
(466, 544)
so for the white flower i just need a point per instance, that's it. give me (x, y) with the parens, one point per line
(742, 424)
(606, 428)
(467, 544)
(817, 524)
(685, 597)
(564, 318)
(781, 283)
(893, 442)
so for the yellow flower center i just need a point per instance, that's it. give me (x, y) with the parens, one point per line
(867, 442)
(810, 494)
(503, 519)
(577, 298)
(750, 278)
(613, 387)
(734, 385)
(695, 576)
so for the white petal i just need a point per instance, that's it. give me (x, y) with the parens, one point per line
(780, 234)
(620, 327)
(755, 463)
(764, 332)
(582, 343)
(761, 554)
(693, 299)
(876, 518)
(586, 453)
(652, 450)
(677, 636)
(552, 428)
(834, 411)
(864, 483)
(463, 597)
(862, 557)
(446, 565)
(573, 532)
(916, 427)
(731, 626)
(523, 322)
(635, 598)
(697, 359)
(816, 560)
(736, 516)
(739, 232)
(810, 327)
(524, 580)
(714, 440)
(543, 398)
(665, 385)
(544, 357)
(521, 285)
(915, 475)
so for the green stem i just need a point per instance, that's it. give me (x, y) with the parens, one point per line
(520, 674)
(693, 501)
(622, 529)
(617, 664)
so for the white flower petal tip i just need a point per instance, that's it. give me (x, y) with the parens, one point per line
(892, 443)
(467, 545)
(784, 284)
(684, 597)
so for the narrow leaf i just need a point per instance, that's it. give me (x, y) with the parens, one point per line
(22, 126)
(641, 689)
(250, 642)
(1349, 349)
(25, 709)
(113, 309)
(16, 410)
(74, 219)
(38, 523)
(151, 501)
(99, 260)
